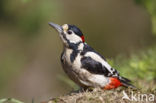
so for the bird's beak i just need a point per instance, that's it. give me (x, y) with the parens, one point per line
(56, 26)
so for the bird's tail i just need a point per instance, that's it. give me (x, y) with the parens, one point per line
(126, 82)
(119, 81)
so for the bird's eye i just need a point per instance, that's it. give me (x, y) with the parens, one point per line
(69, 32)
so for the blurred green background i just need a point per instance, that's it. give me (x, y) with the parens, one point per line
(30, 49)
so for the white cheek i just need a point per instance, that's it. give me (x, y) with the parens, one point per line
(73, 38)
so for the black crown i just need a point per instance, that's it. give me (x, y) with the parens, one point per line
(75, 29)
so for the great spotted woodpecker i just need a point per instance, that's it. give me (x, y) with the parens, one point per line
(83, 64)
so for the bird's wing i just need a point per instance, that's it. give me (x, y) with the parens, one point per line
(97, 67)
(95, 63)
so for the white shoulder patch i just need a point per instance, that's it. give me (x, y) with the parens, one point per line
(80, 47)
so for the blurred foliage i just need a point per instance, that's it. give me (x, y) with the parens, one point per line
(25, 1)
(10, 64)
(26, 16)
(10, 100)
(65, 80)
(140, 66)
(150, 5)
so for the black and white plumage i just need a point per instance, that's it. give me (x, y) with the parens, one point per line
(83, 64)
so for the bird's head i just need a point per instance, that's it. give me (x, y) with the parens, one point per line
(68, 33)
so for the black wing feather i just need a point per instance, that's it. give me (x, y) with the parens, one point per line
(96, 67)
(93, 66)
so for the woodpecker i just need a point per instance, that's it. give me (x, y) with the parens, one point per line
(85, 66)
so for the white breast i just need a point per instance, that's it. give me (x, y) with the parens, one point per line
(67, 55)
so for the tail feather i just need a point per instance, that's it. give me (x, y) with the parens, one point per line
(125, 79)
(126, 82)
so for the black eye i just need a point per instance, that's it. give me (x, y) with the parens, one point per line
(69, 32)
